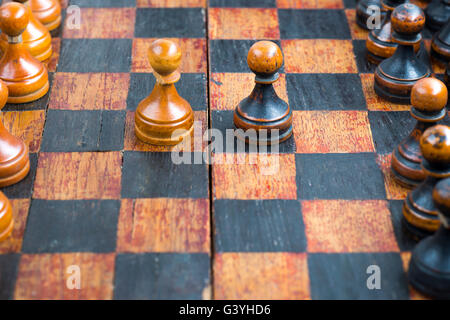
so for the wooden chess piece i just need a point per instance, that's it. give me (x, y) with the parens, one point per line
(437, 14)
(6, 217)
(164, 118)
(263, 109)
(25, 76)
(440, 45)
(429, 267)
(364, 11)
(48, 12)
(447, 75)
(14, 158)
(395, 76)
(419, 212)
(428, 99)
(35, 38)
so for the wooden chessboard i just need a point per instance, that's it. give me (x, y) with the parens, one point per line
(141, 227)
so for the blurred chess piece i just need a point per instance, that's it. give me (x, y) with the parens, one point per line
(419, 211)
(263, 109)
(25, 76)
(164, 118)
(437, 13)
(395, 76)
(48, 12)
(6, 217)
(440, 45)
(428, 99)
(429, 267)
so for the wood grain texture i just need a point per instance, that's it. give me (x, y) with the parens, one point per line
(309, 56)
(26, 125)
(170, 3)
(332, 132)
(193, 53)
(243, 23)
(89, 91)
(196, 143)
(103, 23)
(54, 60)
(348, 226)
(164, 225)
(87, 175)
(394, 191)
(45, 276)
(310, 4)
(20, 213)
(228, 89)
(374, 101)
(261, 276)
(356, 31)
(254, 176)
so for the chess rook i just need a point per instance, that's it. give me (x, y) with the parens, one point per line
(429, 267)
(25, 76)
(440, 45)
(48, 12)
(428, 99)
(6, 217)
(419, 212)
(395, 76)
(263, 109)
(164, 118)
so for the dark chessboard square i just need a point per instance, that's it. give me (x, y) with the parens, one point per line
(104, 3)
(259, 226)
(311, 24)
(9, 265)
(346, 276)
(339, 176)
(71, 226)
(23, 188)
(242, 3)
(223, 120)
(156, 175)
(350, 4)
(159, 276)
(405, 242)
(83, 130)
(231, 55)
(170, 23)
(95, 55)
(191, 87)
(360, 50)
(390, 128)
(325, 92)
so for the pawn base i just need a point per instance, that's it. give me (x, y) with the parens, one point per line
(16, 169)
(30, 96)
(7, 232)
(418, 222)
(440, 52)
(378, 50)
(405, 171)
(53, 25)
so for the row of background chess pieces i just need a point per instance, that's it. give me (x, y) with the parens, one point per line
(26, 48)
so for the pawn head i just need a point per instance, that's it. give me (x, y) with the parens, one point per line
(3, 94)
(265, 58)
(14, 18)
(164, 56)
(408, 19)
(429, 95)
(441, 197)
(435, 146)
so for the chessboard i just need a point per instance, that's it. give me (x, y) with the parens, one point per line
(310, 221)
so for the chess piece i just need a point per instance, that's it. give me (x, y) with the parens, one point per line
(429, 267)
(263, 109)
(428, 99)
(419, 212)
(395, 76)
(437, 14)
(25, 76)
(164, 118)
(48, 12)
(364, 11)
(35, 38)
(6, 217)
(447, 75)
(14, 158)
(440, 45)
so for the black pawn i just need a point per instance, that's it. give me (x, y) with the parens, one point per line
(363, 12)
(263, 112)
(419, 212)
(440, 45)
(437, 13)
(395, 76)
(429, 267)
